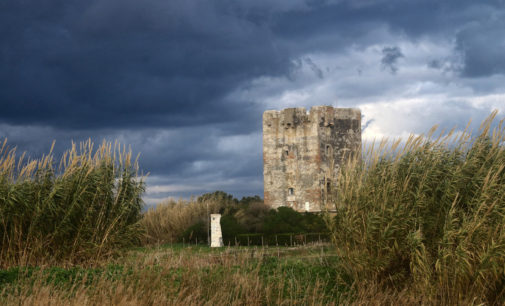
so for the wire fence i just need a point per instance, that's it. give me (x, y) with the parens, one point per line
(285, 239)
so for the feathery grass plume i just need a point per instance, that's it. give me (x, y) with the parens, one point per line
(167, 221)
(427, 216)
(88, 207)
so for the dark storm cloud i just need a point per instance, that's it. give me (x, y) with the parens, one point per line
(160, 75)
(176, 154)
(333, 25)
(110, 63)
(317, 71)
(125, 63)
(390, 57)
(482, 45)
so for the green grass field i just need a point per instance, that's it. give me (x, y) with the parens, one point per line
(176, 274)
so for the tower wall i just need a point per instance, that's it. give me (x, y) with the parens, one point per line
(302, 152)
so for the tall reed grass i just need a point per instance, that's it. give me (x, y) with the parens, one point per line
(167, 221)
(427, 216)
(87, 207)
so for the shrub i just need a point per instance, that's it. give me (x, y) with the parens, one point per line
(428, 216)
(230, 227)
(252, 215)
(196, 233)
(288, 220)
(87, 208)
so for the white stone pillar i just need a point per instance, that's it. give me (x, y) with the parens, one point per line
(216, 237)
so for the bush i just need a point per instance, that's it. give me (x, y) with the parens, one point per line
(87, 208)
(230, 227)
(252, 215)
(196, 233)
(428, 216)
(288, 220)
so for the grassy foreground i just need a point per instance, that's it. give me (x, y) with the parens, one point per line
(420, 221)
(184, 276)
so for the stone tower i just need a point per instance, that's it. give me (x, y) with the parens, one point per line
(302, 152)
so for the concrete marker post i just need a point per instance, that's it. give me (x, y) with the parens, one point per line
(216, 235)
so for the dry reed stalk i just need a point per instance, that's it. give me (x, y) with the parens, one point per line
(430, 213)
(167, 221)
(88, 207)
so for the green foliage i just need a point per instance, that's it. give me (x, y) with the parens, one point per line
(183, 275)
(430, 213)
(88, 208)
(251, 200)
(288, 220)
(227, 203)
(230, 227)
(314, 223)
(306, 272)
(196, 233)
(251, 215)
(283, 220)
(64, 278)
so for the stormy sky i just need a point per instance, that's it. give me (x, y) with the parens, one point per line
(185, 82)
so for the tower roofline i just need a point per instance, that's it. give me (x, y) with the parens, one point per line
(318, 108)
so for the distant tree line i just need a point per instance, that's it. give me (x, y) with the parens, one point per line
(248, 215)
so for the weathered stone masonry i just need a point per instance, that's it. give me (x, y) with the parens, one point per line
(302, 152)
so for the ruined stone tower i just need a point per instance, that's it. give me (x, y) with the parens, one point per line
(302, 152)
